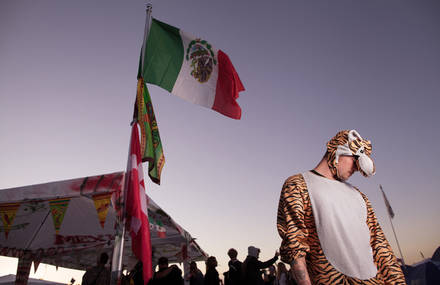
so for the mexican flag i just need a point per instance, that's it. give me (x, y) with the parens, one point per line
(191, 68)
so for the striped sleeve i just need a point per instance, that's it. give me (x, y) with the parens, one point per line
(388, 268)
(291, 222)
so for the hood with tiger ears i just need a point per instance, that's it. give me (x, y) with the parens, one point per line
(350, 143)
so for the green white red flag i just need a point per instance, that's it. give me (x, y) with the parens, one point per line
(136, 207)
(191, 68)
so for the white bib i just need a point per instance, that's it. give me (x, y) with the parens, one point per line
(340, 215)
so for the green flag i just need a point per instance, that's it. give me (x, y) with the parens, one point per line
(151, 146)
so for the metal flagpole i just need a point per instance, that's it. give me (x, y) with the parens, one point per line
(392, 226)
(149, 9)
(118, 250)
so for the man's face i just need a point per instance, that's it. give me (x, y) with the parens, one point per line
(346, 166)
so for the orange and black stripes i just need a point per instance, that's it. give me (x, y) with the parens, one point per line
(296, 226)
(293, 220)
(387, 265)
(342, 138)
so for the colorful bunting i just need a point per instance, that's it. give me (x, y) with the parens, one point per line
(7, 213)
(102, 201)
(58, 208)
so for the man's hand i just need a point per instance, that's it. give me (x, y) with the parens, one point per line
(299, 271)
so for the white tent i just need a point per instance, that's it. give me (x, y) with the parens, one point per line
(10, 280)
(68, 223)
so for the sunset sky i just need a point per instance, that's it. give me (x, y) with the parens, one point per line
(310, 68)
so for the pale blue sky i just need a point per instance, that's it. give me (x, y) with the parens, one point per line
(310, 68)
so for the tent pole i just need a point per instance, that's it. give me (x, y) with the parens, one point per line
(23, 268)
(185, 257)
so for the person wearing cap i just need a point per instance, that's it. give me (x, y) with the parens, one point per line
(329, 232)
(169, 275)
(251, 268)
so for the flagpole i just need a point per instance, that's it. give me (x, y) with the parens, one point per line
(392, 227)
(118, 250)
(149, 9)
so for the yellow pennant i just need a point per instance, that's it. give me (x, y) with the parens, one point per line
(7, 213)
(102, 202)
(58, 208)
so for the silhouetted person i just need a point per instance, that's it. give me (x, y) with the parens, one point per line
(234, 273)
(99, 274)
(195, 276)
(211, 275)
(136, 274)
(251, 269)
(169, 275)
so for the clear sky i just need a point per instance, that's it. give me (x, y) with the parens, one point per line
(310, 68)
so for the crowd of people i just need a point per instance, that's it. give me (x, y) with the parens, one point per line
(251, 271)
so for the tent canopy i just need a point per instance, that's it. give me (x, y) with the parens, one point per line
(68, 223)
(10, 280)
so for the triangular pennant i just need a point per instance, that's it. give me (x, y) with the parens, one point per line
(36, 264)
(102, 201)
(37, 259)
(7, 213)
(58, 208)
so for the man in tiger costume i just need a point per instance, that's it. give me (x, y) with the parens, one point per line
(329, 232)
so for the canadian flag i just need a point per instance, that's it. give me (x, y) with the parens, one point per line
(136, 207)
